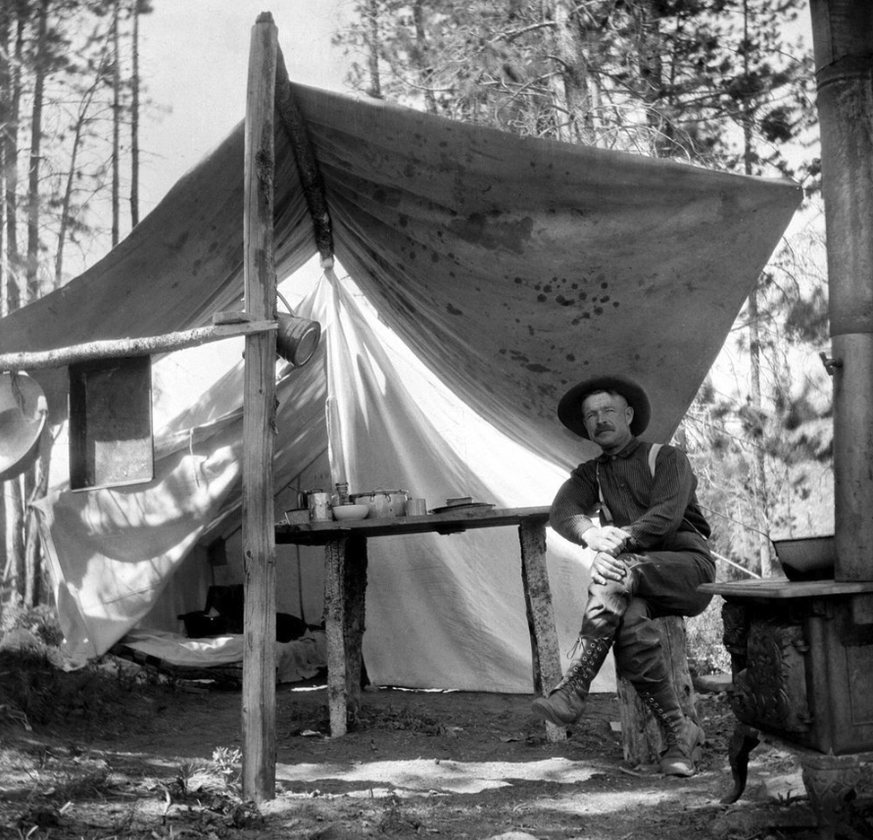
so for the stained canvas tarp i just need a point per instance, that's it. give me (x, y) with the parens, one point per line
(510, 267)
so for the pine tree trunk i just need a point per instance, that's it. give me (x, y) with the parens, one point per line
(68, 193)
(568, 84)
(647, 18)
(423, 53)
(9, 138)
(134, 120)
(762, 498)
(4, 556)
(762, 494)
(116, 125)
(31, 290)
(6, 134)
(5, 108)
(33, 546)
(375, 88)
(4, 209)
(79, 127)
(15, 539)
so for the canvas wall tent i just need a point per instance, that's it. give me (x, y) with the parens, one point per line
(509, 267)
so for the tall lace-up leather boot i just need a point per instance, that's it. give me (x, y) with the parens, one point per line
(683, 736)
(566, 701)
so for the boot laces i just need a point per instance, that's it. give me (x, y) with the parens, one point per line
(679, 748)
(672, 728)
(583, 669)
(588, 652)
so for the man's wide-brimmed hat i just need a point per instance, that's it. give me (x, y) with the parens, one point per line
(570, 406)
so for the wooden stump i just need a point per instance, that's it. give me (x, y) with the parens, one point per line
(641, 737)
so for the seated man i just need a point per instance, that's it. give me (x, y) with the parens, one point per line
(650, 556)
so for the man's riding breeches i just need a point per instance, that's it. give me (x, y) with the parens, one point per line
(659, 583)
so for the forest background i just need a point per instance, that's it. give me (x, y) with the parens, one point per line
(725, 84)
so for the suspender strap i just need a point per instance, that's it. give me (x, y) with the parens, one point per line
(605, 513)
(653, 456)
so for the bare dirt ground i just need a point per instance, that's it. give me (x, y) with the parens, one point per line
(163, 762)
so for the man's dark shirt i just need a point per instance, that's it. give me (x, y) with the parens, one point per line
(649, 508)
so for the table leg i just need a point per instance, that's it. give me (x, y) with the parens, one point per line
(334, 631)
(743, 740)
(345, 585)
(355, 596)
(540, 614)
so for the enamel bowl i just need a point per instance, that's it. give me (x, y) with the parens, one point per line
(350, 512)
(807, 558)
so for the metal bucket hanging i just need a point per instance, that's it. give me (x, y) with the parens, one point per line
(297, 338)
(23, 410)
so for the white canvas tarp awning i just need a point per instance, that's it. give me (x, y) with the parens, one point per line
(510, 267)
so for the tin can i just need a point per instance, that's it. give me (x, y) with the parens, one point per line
(416, 507)
(319, 506)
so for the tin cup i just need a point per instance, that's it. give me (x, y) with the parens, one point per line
(319, 507)
(416, 507)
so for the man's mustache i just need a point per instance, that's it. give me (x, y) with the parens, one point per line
(604, 427)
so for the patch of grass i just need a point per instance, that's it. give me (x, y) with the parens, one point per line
(33, 692)
(42, 621)
(396, 818)
(88, 785)
(227, 763)
(33, 686)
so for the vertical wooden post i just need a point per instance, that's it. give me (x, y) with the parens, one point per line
(259, 417)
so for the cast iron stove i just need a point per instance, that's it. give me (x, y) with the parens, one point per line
(802, 662)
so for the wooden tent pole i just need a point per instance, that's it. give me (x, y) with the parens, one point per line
(259, 418)
(307, 165)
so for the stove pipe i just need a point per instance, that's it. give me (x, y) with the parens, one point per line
(843, 45)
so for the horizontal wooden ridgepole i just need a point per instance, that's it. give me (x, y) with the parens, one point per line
(121, 347)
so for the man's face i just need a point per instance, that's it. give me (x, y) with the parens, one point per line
(607, 419)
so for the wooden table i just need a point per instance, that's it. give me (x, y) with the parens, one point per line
(345, 560)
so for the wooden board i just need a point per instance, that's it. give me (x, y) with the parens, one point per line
(321, 533)
(111, 440)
